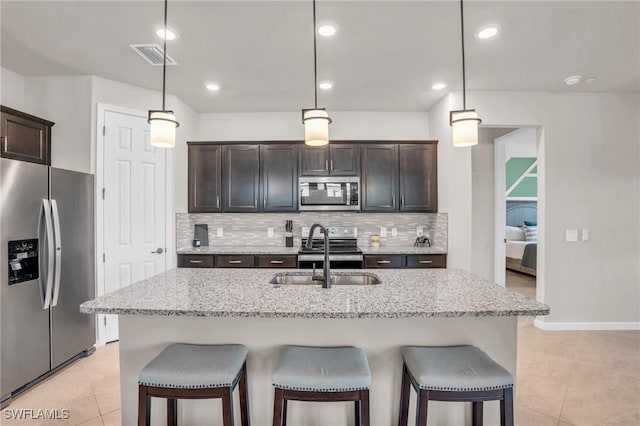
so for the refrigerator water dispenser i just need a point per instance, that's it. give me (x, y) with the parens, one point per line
(23, 261)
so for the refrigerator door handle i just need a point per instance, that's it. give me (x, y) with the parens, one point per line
(57, 252)
(48, 276)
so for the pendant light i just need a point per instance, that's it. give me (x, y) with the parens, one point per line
(163, 123)
(316, 120)
(465, 121)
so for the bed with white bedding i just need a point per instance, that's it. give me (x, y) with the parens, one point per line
(521, 241)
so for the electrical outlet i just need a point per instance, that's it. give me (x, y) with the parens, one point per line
(394, 232)
(383, 231)
(270, 232)
(419, 231)
(219, 232)
(585, 235)
(571, 235)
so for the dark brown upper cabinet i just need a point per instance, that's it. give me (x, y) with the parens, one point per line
(241, 178)
(336, 159)
(25, 137)
(418, 170)
(205, 178)
(279, 170)
(379, 179)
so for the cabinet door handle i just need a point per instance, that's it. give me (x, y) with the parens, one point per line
(264, 200)
(235, 262)
(331, 169)
(276, 262)
(196, 261)
(218, 201)
(393, 201)
(426, 261)
(384, 262)
(255, 201)
(6, 141)
(401, 201)
(326, 164)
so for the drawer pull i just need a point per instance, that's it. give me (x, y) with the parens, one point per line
(383, 262)
(234, 262)
(196, 261)
(276, 262)
(426, 261)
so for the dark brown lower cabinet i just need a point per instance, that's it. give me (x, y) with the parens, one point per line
(235, 261)
(271, 261)
(195, 261)
(405, 261)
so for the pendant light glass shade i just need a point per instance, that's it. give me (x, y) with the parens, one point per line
(316, 127)
(464, 125)
(162, 129)
(163, 123)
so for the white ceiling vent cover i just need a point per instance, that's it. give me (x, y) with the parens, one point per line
(152, 53)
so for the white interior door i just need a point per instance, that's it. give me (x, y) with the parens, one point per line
(134, 206)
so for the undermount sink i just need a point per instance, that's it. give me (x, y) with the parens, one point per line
(337, 278)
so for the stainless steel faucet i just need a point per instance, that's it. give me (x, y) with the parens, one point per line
(326, 277)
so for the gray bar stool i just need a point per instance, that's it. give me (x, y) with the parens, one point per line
(326, 374)
(454, 373)
(185, 371)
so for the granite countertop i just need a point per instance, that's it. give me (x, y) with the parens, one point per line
(294, 250)
(403, 293)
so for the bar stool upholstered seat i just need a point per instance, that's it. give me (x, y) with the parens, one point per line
(187, 371)
(454, 373)
(322, 374)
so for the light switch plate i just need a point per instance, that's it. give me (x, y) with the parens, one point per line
(270, 232)
(219, 232)
(394, 232)
(585, 235)
(419, 231)
(571, 235)
(383, 231)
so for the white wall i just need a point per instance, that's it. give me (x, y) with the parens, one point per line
(65, 101)
(11, 89)
(521, 143)
(590, 178)
(454, 184)
(483, 235)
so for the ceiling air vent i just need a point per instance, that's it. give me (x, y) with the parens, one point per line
(152, 53)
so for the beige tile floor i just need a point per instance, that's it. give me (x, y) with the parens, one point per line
(564, 378)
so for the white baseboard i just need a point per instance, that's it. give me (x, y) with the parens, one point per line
(588, 326)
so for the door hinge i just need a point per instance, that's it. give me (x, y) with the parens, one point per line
(104, 130)
(104, 257)
(103, 192)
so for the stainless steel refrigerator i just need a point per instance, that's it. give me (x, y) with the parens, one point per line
(47, 270)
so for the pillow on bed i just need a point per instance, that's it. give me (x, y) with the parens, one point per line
(530, 223)
(531, 233)
(514, 233)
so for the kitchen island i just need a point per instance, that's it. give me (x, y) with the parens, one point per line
(409, 307)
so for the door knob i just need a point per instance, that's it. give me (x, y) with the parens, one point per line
(158, 251)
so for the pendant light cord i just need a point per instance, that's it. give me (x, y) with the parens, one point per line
(315, 60)
(464, 85)
(164, 55)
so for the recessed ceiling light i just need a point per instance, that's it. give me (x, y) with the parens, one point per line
(572, 80)
(487, 32)
(325, 85)
(170, 35)
(213, 87)
(327, 30)
(590, 80)
(438, 86)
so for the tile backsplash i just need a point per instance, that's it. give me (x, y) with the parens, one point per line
(251, 229)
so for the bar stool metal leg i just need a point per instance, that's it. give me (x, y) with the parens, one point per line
(172, 412)
(477, 411)
(403, 418)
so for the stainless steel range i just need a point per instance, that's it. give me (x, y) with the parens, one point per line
(343, 249)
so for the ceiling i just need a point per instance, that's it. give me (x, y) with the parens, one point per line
(385, 56)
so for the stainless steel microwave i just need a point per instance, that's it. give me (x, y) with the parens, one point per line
(329, 193)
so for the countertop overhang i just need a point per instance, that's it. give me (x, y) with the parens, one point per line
(404, 293)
